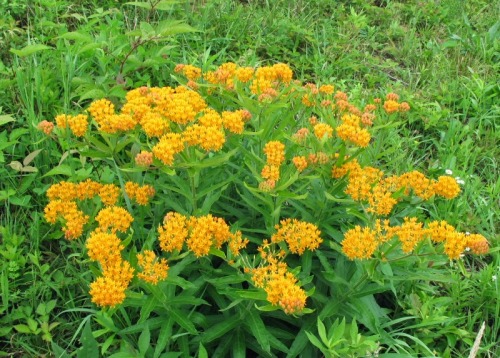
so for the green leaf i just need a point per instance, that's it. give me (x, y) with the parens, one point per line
(300, 342)
(267, 308)
(94, 93)
(105, 320)
(252, 295)
(239, 345)
(20, 200)
(4, 287)
(17, 166)
(144, 340)
(166, 4)
(202, 352)
(22, 328)
(220, 329)
(29, 50)
(146, 29)
(87, 47)
(163, 337)
(322, 331)
(147, 308)
(338, 332)
(169, 28)
(315, 341)
(5, 118)
(89, 344)
(59, 170)
(107, 343)
(76, 36)
(216, 252)
(41, 309)
(354, 330)
(32, 324)
(7, 144)
(4, 194)
(29, 169)
(141, 4)
(58, 351)
(183, 320)
(258, 329)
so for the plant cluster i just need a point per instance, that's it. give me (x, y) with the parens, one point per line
(229, 119)
(264, 216)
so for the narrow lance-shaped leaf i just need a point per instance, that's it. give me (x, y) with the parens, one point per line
(29, 50)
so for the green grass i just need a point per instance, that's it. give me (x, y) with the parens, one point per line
(441, 56)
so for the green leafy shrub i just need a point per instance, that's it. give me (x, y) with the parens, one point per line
(243, 177)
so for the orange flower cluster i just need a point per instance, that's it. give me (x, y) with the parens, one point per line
(350, 130)
(270, 77)
(46, 127)
(153, 269)
(176, 116)
(275, 155)
(264, 81)
(298, 235)
(144, 158)
(370, 185)
(208, 138)
(105, 247)
(73, 218)
(77, 124)
(199, 234)
(322, 130)
(361, 243)
(279, 284)
(315, 95)
(191, 72)
(114, 218)
(300, 163)
(225, 75)
(392, 105)
(169, 145)
(141, 194)
(109, 194)
(63, 205)
(103, 244)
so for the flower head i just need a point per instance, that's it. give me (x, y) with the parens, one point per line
(153, 269)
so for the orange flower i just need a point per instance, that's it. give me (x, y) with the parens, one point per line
(410, 233)
(169, 145)
(104, 247)
(391, 106)
(114, 218)
(233, 121)
(322, 129)
(109, 194)
(299, 235)
(106, 292)
(446, 187)
(359, 243)
(270, 172)
(46, 127)
(275, 152)
(478, 244)
(300, 163)
(173, 232)
(153, 269)
(144, 158)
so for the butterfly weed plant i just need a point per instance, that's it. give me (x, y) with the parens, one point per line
(240, 204)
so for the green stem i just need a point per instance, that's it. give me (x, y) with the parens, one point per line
(192, 183)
